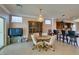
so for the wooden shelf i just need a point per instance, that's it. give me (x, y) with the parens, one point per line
(35, 27)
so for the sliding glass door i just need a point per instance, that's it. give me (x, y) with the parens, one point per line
(1, 32)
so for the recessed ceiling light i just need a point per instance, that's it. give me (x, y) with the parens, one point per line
(19, 5)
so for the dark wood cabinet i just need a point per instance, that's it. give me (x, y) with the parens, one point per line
(35, 27)
(60, 25)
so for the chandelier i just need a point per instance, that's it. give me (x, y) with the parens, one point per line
(41, 17)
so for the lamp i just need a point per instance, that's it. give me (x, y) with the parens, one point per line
(40, 18)
(63, 20)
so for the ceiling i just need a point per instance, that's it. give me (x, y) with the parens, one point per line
(49, 10)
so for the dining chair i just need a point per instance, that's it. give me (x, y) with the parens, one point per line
(73, 38)
(50, 32)
(35, 43)
(44, 34)
(36, 34)
(64, 36)
(51, 43)
(56, 32)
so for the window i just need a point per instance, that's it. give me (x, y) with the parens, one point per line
(16, 19)
(74, 27)
(47, 21)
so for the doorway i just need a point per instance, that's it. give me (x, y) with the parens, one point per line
(2, 32)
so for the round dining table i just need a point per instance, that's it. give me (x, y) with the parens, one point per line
(43, 38)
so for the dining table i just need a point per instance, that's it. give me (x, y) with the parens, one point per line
(43, 38)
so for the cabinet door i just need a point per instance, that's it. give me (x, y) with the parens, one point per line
(1, 32)
(59, 25)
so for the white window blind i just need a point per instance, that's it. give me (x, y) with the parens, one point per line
(47, 21)
(16, 19)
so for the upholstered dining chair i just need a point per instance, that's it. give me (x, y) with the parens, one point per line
(57, 32)
(64, 36)
(44, 34)
(35, 43)
(51, 43)
(73, 38)
(36, 35)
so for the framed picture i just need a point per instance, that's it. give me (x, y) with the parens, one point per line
(48, 21)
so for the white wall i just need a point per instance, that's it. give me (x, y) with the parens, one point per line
(6, 23)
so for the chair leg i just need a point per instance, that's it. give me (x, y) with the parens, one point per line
(67, 39)
(76, 43)
(38, 47)
(57, 37)
(50, 47)
(46, 49)
(53, 47)
(63, 38)
(60, 37)
(33, 47)
(70, 42)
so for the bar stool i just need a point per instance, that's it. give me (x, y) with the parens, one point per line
(73, 38)
(55, 32)
(64, 36)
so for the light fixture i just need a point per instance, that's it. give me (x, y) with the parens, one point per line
(76, 20)
(41, 17)
(19, 5)
(64, 18)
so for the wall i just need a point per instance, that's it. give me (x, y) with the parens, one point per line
(77, 26)
(24, 25)
(46, 27)
(6, 28)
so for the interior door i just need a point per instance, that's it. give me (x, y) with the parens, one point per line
(1, 32)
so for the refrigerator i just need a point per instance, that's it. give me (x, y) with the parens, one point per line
(1, 32)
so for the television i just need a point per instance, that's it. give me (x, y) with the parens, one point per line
(15, 31)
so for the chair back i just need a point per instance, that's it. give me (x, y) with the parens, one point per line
(44, 34)
(50, 32)
(71, 33)
(33, 39)
(55, 32)
(36, 35)
(52, 39)
(63, 32)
